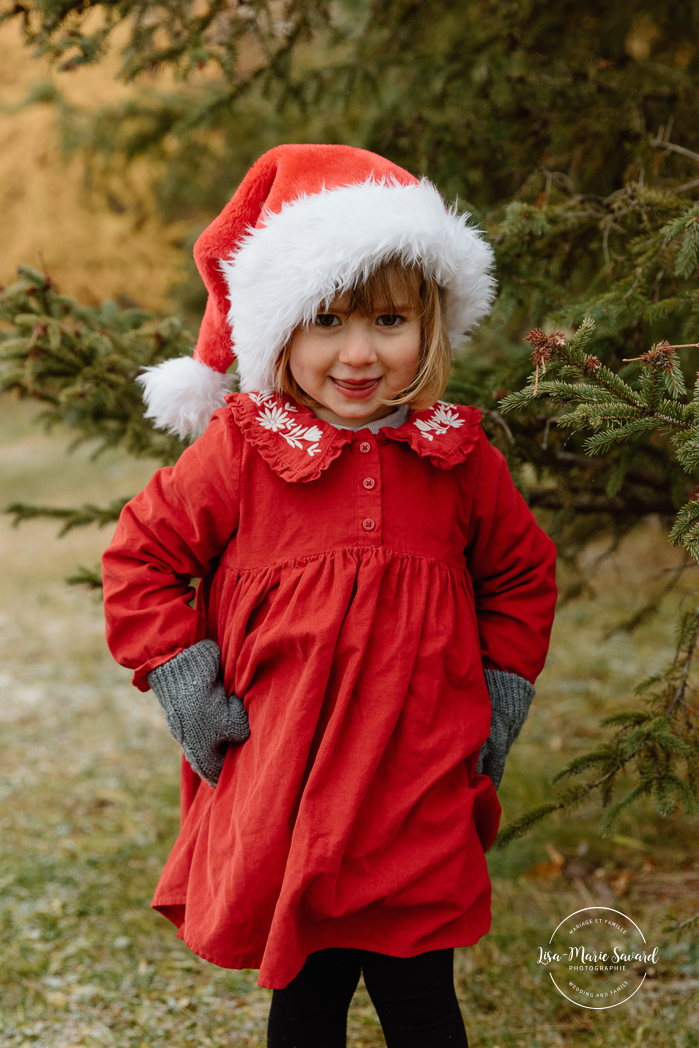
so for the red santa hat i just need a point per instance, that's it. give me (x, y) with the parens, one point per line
(306, 223)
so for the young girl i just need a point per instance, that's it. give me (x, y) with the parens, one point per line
(372, 587)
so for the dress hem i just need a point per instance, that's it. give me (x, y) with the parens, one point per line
(242, 963)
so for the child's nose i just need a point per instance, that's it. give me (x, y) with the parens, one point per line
(357, 348)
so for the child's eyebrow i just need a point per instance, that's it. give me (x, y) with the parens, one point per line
(393, 309)
(382, 308)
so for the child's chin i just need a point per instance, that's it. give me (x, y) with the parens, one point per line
(355, 407)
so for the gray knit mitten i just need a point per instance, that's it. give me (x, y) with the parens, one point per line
(511, 698)
(199, 714)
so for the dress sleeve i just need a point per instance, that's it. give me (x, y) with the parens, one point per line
(172, 532)
(511, 562)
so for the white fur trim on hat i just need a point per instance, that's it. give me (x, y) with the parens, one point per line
(321, 245)
(181, 394)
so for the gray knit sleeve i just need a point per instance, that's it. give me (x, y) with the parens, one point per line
(199, 714)
(511, 698)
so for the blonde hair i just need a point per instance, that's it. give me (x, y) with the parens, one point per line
(411, 288)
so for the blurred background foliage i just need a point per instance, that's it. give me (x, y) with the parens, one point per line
(568, 131)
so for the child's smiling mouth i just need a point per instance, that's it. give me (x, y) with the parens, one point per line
(355, 389)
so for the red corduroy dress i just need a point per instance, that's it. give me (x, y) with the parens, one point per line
(357, 585)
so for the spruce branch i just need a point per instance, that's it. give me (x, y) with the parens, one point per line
(81, 363)
(87, 577)
(654, 744)
(569, 801)
(678, 926)
(679, 696)
(659, 744)
(181, 35)
(72, 518)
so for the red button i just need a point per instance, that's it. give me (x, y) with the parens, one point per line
(365, 447)
(368, 524)
(369, 483)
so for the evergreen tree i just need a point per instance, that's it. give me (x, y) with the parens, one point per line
(567, 130)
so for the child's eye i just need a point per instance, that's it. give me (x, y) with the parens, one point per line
(327, 320)
(389, 320)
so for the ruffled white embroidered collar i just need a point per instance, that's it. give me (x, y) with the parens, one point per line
(299, 446)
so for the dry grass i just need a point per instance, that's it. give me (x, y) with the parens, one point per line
(48, 218)
(88, 788)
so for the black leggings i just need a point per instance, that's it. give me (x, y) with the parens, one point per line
(414, 998)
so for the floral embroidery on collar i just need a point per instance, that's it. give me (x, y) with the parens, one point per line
(292, 441)
(277, 419)
(443, 418)
(298, 446)
(444, 433)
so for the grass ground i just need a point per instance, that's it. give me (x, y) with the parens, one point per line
(88, 812)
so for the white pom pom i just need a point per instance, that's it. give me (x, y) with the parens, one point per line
(181, 394)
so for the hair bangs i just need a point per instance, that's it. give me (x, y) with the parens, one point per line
(392, 288)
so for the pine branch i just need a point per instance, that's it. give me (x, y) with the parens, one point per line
(85, 577)
(653, 743)
(689, 922)
(72, 518)
(570, 800)
(679, 696)
(179, 35)
(81, 363)
(621, 507)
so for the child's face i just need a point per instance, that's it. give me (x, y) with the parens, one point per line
(349, 362)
